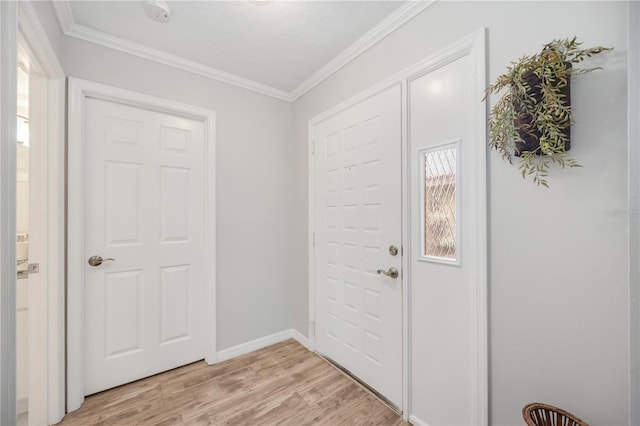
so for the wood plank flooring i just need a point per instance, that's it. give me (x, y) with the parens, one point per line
(283, 384)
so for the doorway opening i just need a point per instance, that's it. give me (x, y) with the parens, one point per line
(39, 237)
(32, 290)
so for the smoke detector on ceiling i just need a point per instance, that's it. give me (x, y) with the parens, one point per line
(158, 10)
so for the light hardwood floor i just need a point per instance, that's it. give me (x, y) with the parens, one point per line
(283, 384)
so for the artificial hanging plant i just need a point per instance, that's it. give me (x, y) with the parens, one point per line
(532, 120)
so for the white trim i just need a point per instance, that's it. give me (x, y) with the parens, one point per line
(70, 28)
(75, 250)
(398, 18)
(64, 14)
(56, 114)
(210, 235)
(49, 383)
(474, 45)
(98, 37)
(311, 330)
(416, 421)
(406, 264)
(38, 288)
(390, 24)
(8, 103)
(262, 342)
(78, 91)
(51, 323)
(39, 43)
(479, 308)
(300, 338)
(633, 123)
(442, 57)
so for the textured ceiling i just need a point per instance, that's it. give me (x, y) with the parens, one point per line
(277, 43)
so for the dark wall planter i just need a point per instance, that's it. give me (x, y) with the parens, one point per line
(531, 136)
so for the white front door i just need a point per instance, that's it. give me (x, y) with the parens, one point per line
(357, 199)
(144, 192)
(446, 147)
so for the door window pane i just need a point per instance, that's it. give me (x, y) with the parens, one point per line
(440, 208)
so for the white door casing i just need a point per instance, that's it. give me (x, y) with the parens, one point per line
(39, 345)
(47, 224)
(22, 283)
(8, 84)
(447, 154)
(357, 201)
(153, 160)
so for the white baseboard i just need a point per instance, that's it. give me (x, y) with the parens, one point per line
(300, 338)
(262, 342)
(254, 345)
(416, 421)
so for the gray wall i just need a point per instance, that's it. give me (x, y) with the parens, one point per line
(558, 284)
(254, 183)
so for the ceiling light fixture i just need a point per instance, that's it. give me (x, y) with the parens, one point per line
(158, 10)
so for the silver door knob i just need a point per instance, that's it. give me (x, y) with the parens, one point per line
(392, 272)
(97, 260)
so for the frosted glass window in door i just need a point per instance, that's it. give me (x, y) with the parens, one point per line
(440, 207)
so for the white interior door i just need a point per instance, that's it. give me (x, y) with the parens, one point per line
(446, 147)
(144, 209)
(357, 199)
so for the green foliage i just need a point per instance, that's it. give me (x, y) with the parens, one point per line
(535, 106)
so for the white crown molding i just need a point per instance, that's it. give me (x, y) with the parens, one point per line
(98, 37)
(391, 23)
(394, 21)
(70, 28)
(64, 14)
(36, 37)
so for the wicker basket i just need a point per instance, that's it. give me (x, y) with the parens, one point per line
(539, 414)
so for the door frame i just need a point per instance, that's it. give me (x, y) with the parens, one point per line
(20, 24)
(633, 132)
(8, 111)
(475, 45)
(79, 90)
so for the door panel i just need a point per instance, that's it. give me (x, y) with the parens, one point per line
(144, 208)
(175, 290)
(444, 242)
(357, 217)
